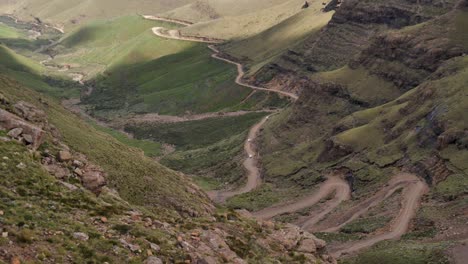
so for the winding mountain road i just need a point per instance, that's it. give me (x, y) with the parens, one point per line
(412, 196)
(413, 187)
(251, 162)
(250, 165)
(331, 185)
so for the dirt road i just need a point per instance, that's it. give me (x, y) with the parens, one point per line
(175, 34)
(397, 182)
(251, 161)
(332, 184)
(241, 74)
(412, 195)
(250, 165)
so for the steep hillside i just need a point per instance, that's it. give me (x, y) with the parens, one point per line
(106, 44)
(349, 32)
(72, 194)
(72, 13)
(396, 103)
(245, 19)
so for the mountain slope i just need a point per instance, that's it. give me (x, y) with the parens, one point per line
(75, 194)
(72, 13)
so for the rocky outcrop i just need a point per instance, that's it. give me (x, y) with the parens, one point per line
(65, 165)
(407, 58)
(207, 246)
(351, 29)
(20, 129)
(433, 169)
(333, 151)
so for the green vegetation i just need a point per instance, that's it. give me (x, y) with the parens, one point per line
(150, 148)
(259, 49)
(401, 253)
(366, 225)
(72, 13)
(258, 199)
(138, 179)
(109, 44)
(9, 32)
(214, 165)
(195, 134)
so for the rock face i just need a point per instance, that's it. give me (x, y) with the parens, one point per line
(93, 178)
(29, 112)
(18, 126)
(353, 26)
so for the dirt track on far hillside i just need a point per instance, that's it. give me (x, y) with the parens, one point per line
(332, 184)
(251, 161)
(411, 199)
(413, 187)
(250, 165)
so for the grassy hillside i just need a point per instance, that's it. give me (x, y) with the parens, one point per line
(106, 44)
(187, 82)
(145, 213)
(72, 13)
(234, 19)
(131, 180)
(265, 46)
(206, 10)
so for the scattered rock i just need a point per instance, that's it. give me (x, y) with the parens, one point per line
(1, 213)
(9, 121)
(153, 260)
(133, 248)
(4, 234)
(28, 138)
(64, 156)
(93, 179)
(29, 112)
(78, 172)
(57, 170)
(155, 247)
(104, 219)
(71, 187)
(81, 236)
(307, 246)
(21, 166)
(78, 163)
(15, 132)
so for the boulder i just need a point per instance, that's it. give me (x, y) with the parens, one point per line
(153, 260)
(307, 246)
(64, 156)
(9, 121)
(81, 236)
(28, 138)
(155, 247)
(93, 179)
(29, 112)
(15, 132)
(132, 247)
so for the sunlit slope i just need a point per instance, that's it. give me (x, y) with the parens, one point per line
(72, 12)
(204, 10)
(233, 19)
(106, 44)
(261, 48)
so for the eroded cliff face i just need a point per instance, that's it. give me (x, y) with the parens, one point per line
(349, 32)
(351, 116)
